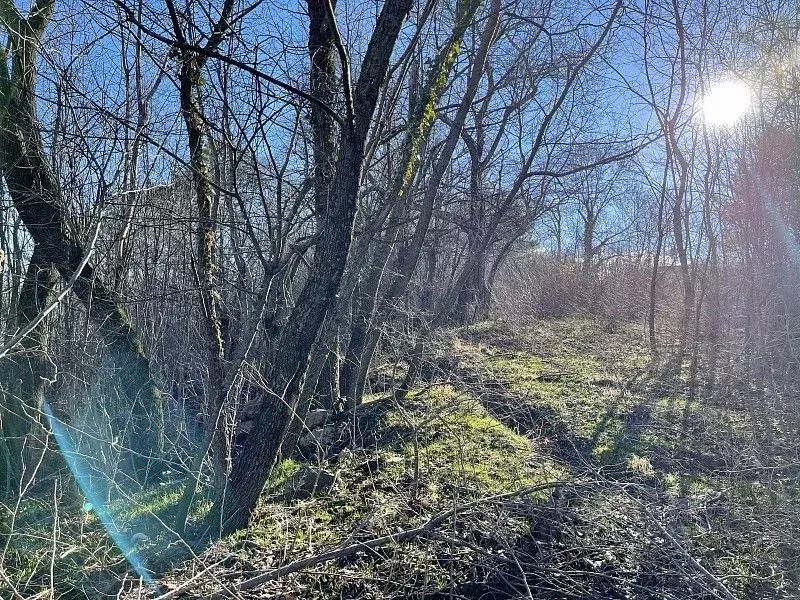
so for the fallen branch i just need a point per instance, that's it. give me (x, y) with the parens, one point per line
(386, 540)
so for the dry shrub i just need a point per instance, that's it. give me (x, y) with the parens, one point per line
(537, 285)
(541, 285)
(621, 290)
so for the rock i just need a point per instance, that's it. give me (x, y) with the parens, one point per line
(321, 438)
(308, 481)
(318, 418)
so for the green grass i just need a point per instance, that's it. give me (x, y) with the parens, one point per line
(447, 447)
(467, 448)
(436, 448)
(578, 390)
(694, 464)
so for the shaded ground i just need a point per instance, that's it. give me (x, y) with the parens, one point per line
(633, 490)
(692, 499)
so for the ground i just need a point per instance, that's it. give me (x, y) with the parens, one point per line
(548, 460)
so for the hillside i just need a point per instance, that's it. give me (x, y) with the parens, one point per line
(538, 461)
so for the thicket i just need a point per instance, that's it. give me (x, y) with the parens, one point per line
(226, 229)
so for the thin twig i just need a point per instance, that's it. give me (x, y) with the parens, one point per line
(395, 538)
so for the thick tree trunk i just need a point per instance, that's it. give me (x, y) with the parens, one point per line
(323, 87)
(26, 373)
(472, 304)
(472, 300)
(253, 464)
(35, 194)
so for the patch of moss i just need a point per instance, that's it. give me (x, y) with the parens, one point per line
(582, 395)
(154, 500)
(305, 526)
(282, 472)
(608, 441)
(462, 446)
(451, 450)
(681, 485)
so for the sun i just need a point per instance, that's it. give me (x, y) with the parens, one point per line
(726, 102)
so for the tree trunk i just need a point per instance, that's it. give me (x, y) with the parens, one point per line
(194, 118)
(253, 464)
(27, 375)
(35, 194)
(473, 294)
(404, 265)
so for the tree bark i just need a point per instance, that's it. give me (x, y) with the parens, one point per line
(36, 196)
(405, 265)
(253, 464)
(194, 118)
(422, 115)
(28, 374)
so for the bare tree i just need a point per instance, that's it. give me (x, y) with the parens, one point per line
(35, 193)
(253, 463)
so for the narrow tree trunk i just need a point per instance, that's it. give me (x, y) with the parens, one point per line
(318, 364)
(206, 240)
(653, 299)
(215, 434)
(353, 376)
(405, 265)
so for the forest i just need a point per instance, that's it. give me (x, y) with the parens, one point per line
(449, 299)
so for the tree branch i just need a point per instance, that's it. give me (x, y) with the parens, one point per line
(203, 51)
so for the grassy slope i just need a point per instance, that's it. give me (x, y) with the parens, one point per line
(709, 475)
(672, 498)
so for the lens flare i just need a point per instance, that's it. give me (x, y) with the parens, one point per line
(94, 501)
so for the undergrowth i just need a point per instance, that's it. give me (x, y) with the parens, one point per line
(645, 491)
